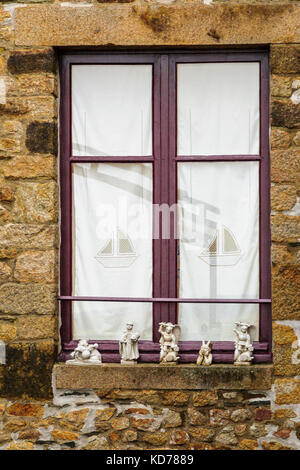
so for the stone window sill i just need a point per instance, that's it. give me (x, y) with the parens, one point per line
(158, 377)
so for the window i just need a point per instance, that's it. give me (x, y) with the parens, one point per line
(164, 168)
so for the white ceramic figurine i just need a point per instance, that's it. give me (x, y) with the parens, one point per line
(128, 345)
(243, 347)
(169, 342)
(205, 355)
(85, 353)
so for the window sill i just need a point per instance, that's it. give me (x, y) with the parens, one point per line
(157, 377)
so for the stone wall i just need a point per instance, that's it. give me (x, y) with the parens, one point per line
(29, 231)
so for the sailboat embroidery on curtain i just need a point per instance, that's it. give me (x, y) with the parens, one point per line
(222, 250)
(117, 252)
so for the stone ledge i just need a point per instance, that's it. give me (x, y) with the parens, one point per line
(156, 377)
(136, 25)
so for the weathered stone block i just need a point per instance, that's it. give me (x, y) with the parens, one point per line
(36, 327)
(105, 414)
(172, 419)
(283, 197)
(280, 139)
(285, 59)
(41, 137)
(129, 436)
(19, 236)
(7, 329)
(199, 434)
(285, 288)
(35, 266)
(156, 438)
(28, 409)
(25, 61)
(248, 444)
(21, 445)
(35, 202)
(283, 334)
(205, 398)
(274, 445)
(285, 114)
(31, 85)
(287, 391)
(285, 228)
(263, 414)
(196, 417)
(59, 435)
(176, 398)
(120, 423)
(28, 369)
(281, 86)
(285, 166)
(29, 298)
(5, 272)
(241, 415)
(156, 25)
(179, 438)
(30, 167)
(284, 255)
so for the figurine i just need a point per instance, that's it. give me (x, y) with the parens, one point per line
(85, 353)
(128, 345)
(169, 342)
(205, 355)
(243, 347)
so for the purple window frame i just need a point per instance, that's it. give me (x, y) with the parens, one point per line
(164, 161)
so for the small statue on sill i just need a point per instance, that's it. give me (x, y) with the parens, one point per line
(205, 355)
(129, 345)
(243, 347)
(85, 353)
(169, 342)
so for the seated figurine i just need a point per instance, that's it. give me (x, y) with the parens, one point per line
(205, 355)
(85, 353)
(243, 347)
(169, 342)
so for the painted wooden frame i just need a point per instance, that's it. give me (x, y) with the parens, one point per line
(164, 161)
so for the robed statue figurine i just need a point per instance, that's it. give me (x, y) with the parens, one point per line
(128, 345)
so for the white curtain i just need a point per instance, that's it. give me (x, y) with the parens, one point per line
(219, 246)
(112, 247)
(218, 109)
(112, 110)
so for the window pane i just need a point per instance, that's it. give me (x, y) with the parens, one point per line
(107, 320)
(112, 245)
(218, 109)
(216, 321)
(219, 239)
(112, 110)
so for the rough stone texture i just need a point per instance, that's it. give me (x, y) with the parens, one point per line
(29, 298)
(153, 376)
(280, 139)
(41, 137)
(35, 266)
(31, 61)
(30, 167)
(283, 197)
(156, 24)
(35, 202)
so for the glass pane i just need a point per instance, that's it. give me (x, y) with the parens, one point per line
(112, 110)
(107, 320)
(112, 245)
(216, 321)
(218, 109)
(219, 235)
